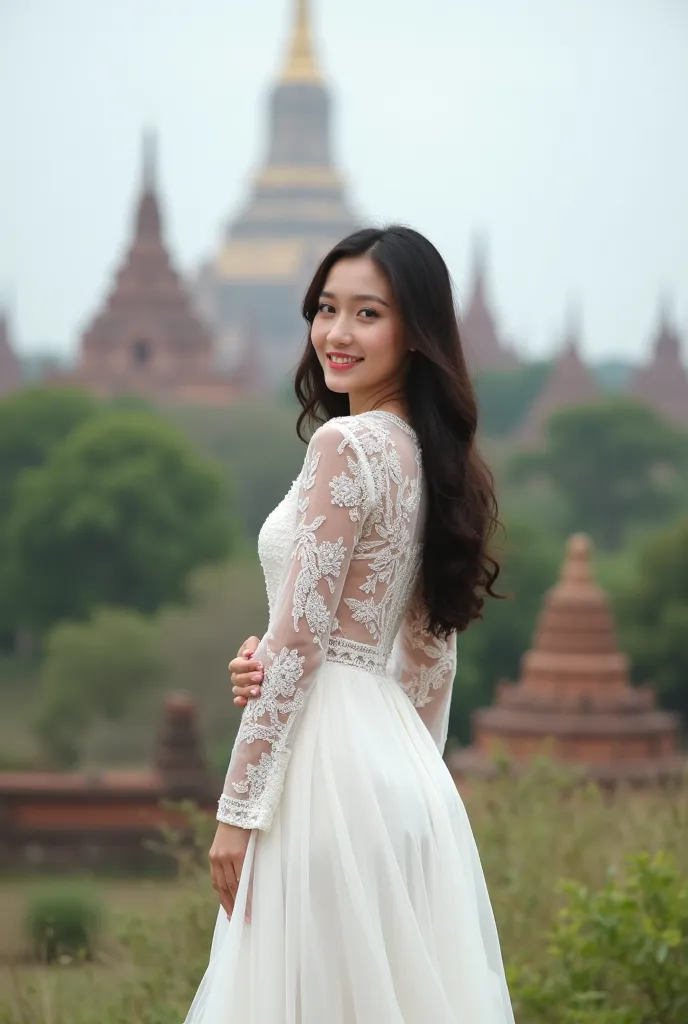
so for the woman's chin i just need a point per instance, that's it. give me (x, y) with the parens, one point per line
(336, 384)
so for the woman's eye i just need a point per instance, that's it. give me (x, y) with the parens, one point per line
(325, 307)
(368, 314)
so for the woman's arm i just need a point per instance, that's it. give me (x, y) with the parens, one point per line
(333, 502)
(425, 667)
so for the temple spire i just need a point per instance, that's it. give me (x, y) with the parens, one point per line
(479, 264)
(662, 383)
(301, 64)
(150, 160)
(570, 382)
(573, 329)
(148, 219)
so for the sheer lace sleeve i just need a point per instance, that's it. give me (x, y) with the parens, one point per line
(426, 667)
(333, 501)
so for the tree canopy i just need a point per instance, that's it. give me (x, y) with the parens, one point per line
(120, 513)
(653, 613)
(32, 423)
(616, 465)
(505, 396)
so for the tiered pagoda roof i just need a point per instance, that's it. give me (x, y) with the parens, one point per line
(147, 338)
(297, 208)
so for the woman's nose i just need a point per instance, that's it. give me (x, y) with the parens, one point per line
(340, 332)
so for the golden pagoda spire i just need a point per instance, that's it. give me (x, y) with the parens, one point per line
(301, 64)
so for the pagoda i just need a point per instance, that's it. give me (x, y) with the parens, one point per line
(663, 382)
(482, 345)
(574, 701)
(295, 212)
(147, 339)
(10, 370)
(569, 383)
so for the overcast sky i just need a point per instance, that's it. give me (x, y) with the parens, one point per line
(558, 127)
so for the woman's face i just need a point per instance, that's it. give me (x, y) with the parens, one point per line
(358, 335)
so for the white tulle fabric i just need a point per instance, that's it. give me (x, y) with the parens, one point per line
(369, 904)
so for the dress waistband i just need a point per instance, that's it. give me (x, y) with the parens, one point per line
(363, 656)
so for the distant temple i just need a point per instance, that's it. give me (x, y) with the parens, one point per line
(10, 371)
(574, 700)
(147, 339)
(71, 820)
(569, 383)
(663, 382)
(296, 211)
(484, 349)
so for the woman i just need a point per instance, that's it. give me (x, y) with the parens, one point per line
(351, 888)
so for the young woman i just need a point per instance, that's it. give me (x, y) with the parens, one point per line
(350, 884)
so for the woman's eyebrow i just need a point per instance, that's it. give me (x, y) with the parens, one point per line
(359, 298)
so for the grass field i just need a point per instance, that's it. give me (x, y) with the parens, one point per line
(531, 834)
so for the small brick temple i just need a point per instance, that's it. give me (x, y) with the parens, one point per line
(68, 820)
(574, 700)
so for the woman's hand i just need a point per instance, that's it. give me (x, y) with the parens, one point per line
(226, 862)
(246, 674)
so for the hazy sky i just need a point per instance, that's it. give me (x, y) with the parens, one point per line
(559, 127)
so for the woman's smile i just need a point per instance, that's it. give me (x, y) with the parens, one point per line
(342, 361)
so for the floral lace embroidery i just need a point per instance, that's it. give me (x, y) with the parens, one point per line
(270, 717)
(387, 546)
(427, 678)
(363, 536)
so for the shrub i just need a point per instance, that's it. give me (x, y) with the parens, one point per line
(92, 669)
(64, 919)
(618, 955)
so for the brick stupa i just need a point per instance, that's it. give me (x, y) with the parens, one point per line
(10, 371)
(574, 701)
(179, 758)
(484, 349)
(148, 339)
(569, 383)
(663, 382)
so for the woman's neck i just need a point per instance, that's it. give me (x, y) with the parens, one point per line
(392, 402)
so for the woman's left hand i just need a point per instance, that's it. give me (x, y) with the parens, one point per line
(246, 674)
(227, 856)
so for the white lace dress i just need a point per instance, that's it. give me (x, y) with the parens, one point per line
(369, 904)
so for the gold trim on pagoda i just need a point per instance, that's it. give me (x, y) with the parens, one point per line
(296, 175)
(260, 259)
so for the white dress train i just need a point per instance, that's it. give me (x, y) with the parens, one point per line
(369, 904)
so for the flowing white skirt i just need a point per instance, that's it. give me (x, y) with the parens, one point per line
(369, 900)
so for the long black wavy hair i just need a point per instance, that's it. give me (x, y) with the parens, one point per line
(458, 570)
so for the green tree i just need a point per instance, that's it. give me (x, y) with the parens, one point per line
(255, 441)
(653, 616)
(505, 396)
(92, 669)
(491, 649)
(120, 514)
(616, 465)
(32, 423)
